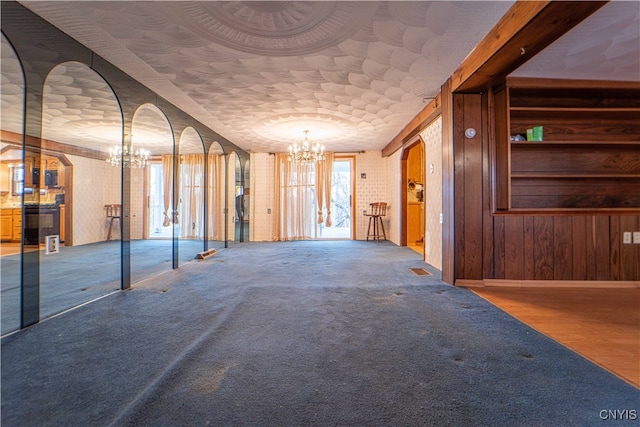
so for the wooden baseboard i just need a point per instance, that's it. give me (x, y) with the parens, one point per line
(466, 283)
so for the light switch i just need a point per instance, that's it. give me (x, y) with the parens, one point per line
(636, 237)
(626, 237)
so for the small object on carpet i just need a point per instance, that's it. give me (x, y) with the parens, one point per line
(206, 254)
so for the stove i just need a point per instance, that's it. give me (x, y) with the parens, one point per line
(41, 220)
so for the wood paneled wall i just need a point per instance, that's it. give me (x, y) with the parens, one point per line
(525, 246)
(567, 247)
(470, 175)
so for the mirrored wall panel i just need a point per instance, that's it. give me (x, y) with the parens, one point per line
(11, 186)
(154, 218)
(216, 171)
(71, 186)
(191, 195)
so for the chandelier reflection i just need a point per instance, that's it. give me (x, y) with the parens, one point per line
(128, 157)
(307, 152)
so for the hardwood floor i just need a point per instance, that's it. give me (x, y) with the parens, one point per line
(418, 247)
(602, 325)
(9, 248)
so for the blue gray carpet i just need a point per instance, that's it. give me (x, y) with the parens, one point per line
(300, 334)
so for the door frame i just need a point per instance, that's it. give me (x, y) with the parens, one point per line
(351, 158)
(404, 189)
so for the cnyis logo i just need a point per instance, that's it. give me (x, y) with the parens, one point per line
(618, 414)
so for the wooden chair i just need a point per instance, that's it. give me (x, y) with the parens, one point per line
(377, 211)
(113, 213)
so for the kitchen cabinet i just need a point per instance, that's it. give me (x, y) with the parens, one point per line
(5, 177)
(17, 224)
(29, 166)
(6, 224)
(11, 224)
(62, 223)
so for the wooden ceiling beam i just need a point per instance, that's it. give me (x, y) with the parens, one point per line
(415, 126)
(526, 29)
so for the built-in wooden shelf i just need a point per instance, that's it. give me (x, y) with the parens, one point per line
(560, 175)
(589, 157)
(569, 211)
(576, 109)
(547, 142)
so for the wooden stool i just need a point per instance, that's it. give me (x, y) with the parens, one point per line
(378, 210)
(113, 213)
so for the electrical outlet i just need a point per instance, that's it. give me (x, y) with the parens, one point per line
(636, 237)
(626, 237)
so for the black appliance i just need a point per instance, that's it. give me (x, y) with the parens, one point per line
(35, 176)
(60, 199)
(51, 178)
(40, 220)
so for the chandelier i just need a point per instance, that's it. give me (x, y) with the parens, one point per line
(306, 152)
(128, 156)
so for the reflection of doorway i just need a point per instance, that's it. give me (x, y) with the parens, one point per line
(413, 161)
(341, 201)
(156, 230)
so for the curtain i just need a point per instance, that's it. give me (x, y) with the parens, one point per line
(192, 196)
(167, 178)
(319, 190)
(215, 169)
(327, 172)
(294, 199)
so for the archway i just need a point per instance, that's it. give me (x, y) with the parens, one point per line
(11, 186)
(191, 190)
(413, 177)
(216, 170)
(153, 219)
(81, 119)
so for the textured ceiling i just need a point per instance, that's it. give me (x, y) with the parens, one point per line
(605, 46)
(259, 73)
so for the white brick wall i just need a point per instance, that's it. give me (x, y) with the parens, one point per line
(262, 197)
(371, 189)
(95, 183)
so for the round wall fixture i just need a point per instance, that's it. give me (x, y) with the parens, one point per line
(470, 132)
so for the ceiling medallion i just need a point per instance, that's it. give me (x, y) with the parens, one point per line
(284, 28)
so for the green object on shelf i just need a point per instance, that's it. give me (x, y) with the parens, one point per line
(537, 133)
(534, 134)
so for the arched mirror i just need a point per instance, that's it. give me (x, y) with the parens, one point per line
(152, 211)
(235, 195)
(190, 185)
(246, 218)
(216, 169)
(72, 183)
(11, 185)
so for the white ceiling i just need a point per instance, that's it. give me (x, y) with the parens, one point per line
(259, 73)
(352, 72)
(605, 46)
